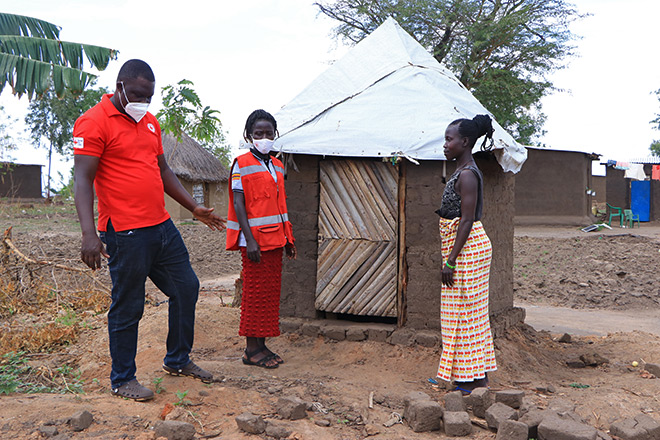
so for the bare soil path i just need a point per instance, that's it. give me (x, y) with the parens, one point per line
(597, 275)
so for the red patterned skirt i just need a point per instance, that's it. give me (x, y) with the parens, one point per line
(260, 301)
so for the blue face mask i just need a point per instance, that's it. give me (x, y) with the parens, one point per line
(136, 110)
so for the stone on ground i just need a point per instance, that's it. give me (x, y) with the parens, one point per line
(457, 423)
(291, 407)
(173, 430)
(251, 423)
(424, 415)
(81, 420)
(512, 430)
(654, 369)
(277, 430)
(593, 359)
(498, 413)
(561, 405)
(48, 431)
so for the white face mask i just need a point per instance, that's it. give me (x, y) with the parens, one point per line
(136, 110)
(263, 146)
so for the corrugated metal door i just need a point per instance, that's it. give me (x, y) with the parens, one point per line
(640, 199)
(357, 245)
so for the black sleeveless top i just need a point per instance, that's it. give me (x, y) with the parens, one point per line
(451, 200)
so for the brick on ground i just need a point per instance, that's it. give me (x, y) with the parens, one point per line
(642, 427)
(310, 329)
(454, 402)
(457, 423)
(533, 419)
(498, 413)
(512, 430)
(424, 415)
(481, 399)
(403, 337)
(410, 397)
(336, 332)
(558, 427)
(512, 398)
(356, 334)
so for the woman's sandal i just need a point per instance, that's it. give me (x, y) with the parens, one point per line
(463, 391)
(274, 355)
(263, 362)
(133, 390)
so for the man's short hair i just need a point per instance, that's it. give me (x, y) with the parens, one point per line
(133, 69)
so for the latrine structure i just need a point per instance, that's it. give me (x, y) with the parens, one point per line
(362, 146)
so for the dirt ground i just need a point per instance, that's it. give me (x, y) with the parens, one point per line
(553, 266)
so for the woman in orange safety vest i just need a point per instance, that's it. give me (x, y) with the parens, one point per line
(258, 225)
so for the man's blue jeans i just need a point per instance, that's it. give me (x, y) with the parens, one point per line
(157, 252)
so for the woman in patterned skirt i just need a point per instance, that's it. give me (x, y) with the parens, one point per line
(467, 342)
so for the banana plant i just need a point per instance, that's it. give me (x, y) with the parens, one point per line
(32, 57)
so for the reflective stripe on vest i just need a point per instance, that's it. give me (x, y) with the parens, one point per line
(251, 169)
(260, 221)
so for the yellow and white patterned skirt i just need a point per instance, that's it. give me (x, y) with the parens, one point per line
(467, 342)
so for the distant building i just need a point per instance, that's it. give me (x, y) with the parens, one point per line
(555, 187)
(200, 173)
(20, 181)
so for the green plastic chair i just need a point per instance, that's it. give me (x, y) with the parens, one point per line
(615, 213)
(629, 218)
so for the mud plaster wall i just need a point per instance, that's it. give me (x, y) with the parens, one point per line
(655, 194)
(299, 276)
(554, 183)
(423, 197)
(600, 186)
(215, 196)
(618, 188)
(20, 181)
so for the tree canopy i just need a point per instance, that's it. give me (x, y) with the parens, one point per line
(50, 119)
(183, 112)
(32, 57)
(501, 50)
(655, 145)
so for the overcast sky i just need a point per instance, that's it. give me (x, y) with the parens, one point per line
(261, 53)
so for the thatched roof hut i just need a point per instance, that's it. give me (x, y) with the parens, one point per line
(191, 162)
(200, 173)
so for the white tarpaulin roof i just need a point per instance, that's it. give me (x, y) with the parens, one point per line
(387, 96)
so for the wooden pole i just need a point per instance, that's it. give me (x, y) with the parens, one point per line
(402, 273)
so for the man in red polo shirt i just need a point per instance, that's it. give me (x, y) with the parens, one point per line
(118, 149)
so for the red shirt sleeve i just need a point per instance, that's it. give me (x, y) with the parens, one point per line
(88, 137)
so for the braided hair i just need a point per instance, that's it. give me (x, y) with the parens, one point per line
(474, 128)
(253, 118)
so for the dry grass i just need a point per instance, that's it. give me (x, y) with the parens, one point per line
(43, 303)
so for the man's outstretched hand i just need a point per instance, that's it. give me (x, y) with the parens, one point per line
(206, 216)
